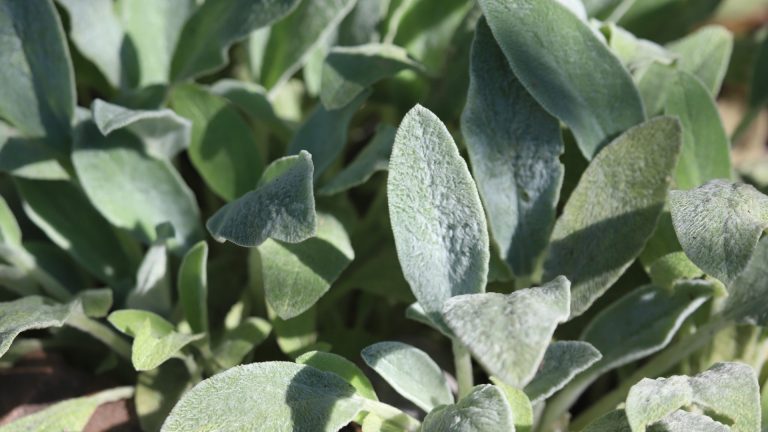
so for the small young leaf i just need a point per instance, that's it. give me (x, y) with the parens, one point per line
(613, 210)
(130, 321)
(718, 225)
(705, 54)
(297, 275)
(152, 347)
(485, 409)
(289, 397)
(236, 343)
(514, 146)
(28, 313)
(567, 69)
(373, 158)
(193, 287)
(282, 207)
(562, 361)
(324, 133)
(215, 26)
(436, 215)
(508, 334)
(411, 372)
(38, 91)
(163, 132)
(342, 367)
(67, 415)
(223, 149)
(705, 154)
(745, 300)
(132, 189)
(348, 71)
(522, 410)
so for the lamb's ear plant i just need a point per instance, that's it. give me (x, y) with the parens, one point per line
(317, 215)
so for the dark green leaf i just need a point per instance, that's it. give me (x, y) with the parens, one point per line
(373, 158)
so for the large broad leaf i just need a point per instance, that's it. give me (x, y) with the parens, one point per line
(282, 207)
(613, 210)
(508, 334)
(437, 218)
(705, 154)
(350, 70)
(567, 69)
(718, 225)
(38, 91)
(342, 367)
(373, 158)
(67, 415)
(705, 53)
(562, 361)
(61, 210)
(514, 146)
(727, 389)
(223, 149)
(163, 133)
(214, 27)
(485, 409)
(297, 275)
(745, 303)
(288, 397)
(287, 49)
(324, 133)
(28, 313)
(411, 372)
(193, 287)
(132, 189)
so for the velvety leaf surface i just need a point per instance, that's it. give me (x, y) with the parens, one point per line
(567, 69)
(324, 133)
(163, 133)
(193, 287)
(705, 53)
(38, 91)
(613, 210)
(718, 225)
(28, 313)
(215, 26)
(342, 367)
(436, 215)
(705, 154)
(68, 415)
(411, 372)
(514, 146)
(350, 70)
(283, 207)
(684, 421)
(745, 300)
(485, 409)
(295, 276)
(373, 158)
(289, 397)
(562, 361)
(223, 149)
(508, 334)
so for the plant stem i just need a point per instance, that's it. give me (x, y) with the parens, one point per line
(102, 333)
(463, 364)
(654, 368)
(391, 415)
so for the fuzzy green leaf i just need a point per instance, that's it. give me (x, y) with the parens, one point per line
(130, 321)
(705, 54)
(562, 361)
(514, 146)
(290, 397)
(613, 210)
(342, 367)
(567, 69)
(485, 409)
(684, 421)
(745, 302)
(522, 410)
(215, 26)
(38, 91)
(718, 225)
(223, 149)
(437, 218)
(508, 334)
(296, 275)
(411, 372)
(282, 207)
(28, 313)
(193, 287)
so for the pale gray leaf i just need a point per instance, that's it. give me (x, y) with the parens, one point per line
(485, 409)
(684, 421)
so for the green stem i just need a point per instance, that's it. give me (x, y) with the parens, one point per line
(391, 415)
(463, 364)
(654, 368)
(102, 333)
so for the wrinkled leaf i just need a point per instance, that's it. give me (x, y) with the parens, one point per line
(514, 146)
(485, 409)
(193, 287)
(411, 372)
(562, 361)
(436, 215)
(613, 210)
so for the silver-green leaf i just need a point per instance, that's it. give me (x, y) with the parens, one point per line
(562, 361)
(745, 302)
(485, 409)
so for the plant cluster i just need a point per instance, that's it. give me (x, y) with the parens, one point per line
(244, 209)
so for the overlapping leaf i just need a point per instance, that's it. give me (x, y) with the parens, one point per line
(485, 409)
